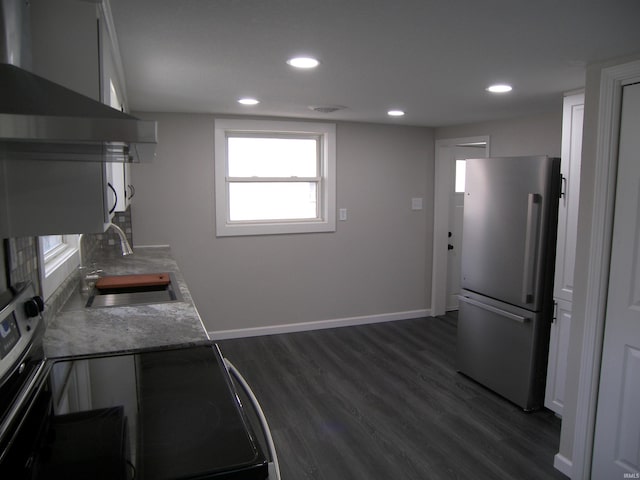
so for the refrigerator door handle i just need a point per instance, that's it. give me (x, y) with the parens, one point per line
(530, 247)
(492, 309)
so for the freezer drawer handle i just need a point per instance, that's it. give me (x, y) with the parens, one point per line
(530, 246)
(499, 311)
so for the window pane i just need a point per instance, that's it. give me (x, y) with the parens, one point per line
(461, 170)
(272, 201)
(272, 157)
(50, 242)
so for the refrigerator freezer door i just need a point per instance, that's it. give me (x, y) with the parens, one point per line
(503, 348)
(507, 219)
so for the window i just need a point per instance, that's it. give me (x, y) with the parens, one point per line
(51, 245)
(274, 177)
(58, 256)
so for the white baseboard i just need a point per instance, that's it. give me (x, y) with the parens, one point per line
(316, 325)
(152, 246)
(563, 464)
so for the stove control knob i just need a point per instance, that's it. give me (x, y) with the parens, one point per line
(34, 306)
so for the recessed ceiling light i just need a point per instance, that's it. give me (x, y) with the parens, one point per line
(248, 101)
(395, 113)
(303, 62)
(500, 88)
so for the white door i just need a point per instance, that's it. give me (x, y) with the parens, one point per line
(617, 434)
(456, 214)
(456, 211)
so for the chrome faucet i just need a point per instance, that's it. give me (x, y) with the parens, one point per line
(88, 276)
(124, 243)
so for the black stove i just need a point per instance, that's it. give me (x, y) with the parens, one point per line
(170, 413)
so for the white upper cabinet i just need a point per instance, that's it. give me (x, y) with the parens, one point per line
(573, 113)
(113, 94)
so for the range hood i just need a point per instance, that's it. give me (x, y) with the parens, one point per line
(41, 120)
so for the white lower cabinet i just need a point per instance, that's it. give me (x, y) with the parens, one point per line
(558, 351)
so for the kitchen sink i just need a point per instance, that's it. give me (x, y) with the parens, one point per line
(128, 290)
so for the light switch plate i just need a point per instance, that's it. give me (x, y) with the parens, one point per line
(416, 203)
(342, 214)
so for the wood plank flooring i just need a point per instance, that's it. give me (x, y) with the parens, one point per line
(384, 402)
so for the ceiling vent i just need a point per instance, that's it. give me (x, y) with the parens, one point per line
(326, 108)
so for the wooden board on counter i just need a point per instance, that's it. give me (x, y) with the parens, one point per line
(130, 281)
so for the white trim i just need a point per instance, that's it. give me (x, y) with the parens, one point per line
(442, 180)
(577, 91)
(611, 83)
(104, 9)
(327, 220)
(562, 464)
(317, 325)
(152, 246)
(55, 271)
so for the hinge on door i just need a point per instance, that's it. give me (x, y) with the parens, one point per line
(555, 312)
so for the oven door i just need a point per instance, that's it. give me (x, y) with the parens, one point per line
(24, 400)
(25, 415)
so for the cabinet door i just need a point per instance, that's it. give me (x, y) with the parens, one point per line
(120, 178)
(573, 113)
(47, 198)
(65, 49)
(557, 365)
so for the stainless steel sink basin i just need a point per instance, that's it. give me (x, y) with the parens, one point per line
(138, 295)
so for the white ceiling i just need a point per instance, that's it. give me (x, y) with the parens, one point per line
(431, 58)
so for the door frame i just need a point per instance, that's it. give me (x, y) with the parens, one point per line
(612, 80)
(442, 180)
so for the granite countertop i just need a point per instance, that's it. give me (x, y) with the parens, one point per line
(80, 331)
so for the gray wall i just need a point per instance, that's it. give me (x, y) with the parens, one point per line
(377, 262)
(534, 135)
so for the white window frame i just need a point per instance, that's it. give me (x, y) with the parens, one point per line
(326, 221)
(58, 264)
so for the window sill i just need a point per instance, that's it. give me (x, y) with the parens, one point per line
(241, 229)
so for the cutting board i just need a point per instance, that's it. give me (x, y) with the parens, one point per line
(130, 281)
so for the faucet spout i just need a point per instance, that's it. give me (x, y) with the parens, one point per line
(124, 243)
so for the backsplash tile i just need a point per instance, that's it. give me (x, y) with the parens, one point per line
(22, 259)
(110, 237)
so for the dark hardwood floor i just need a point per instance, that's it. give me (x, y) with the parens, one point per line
(384, 402)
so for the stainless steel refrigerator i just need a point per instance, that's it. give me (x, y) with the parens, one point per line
(508, 252)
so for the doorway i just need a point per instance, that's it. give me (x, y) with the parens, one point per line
(462, 152)
(448, 214)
